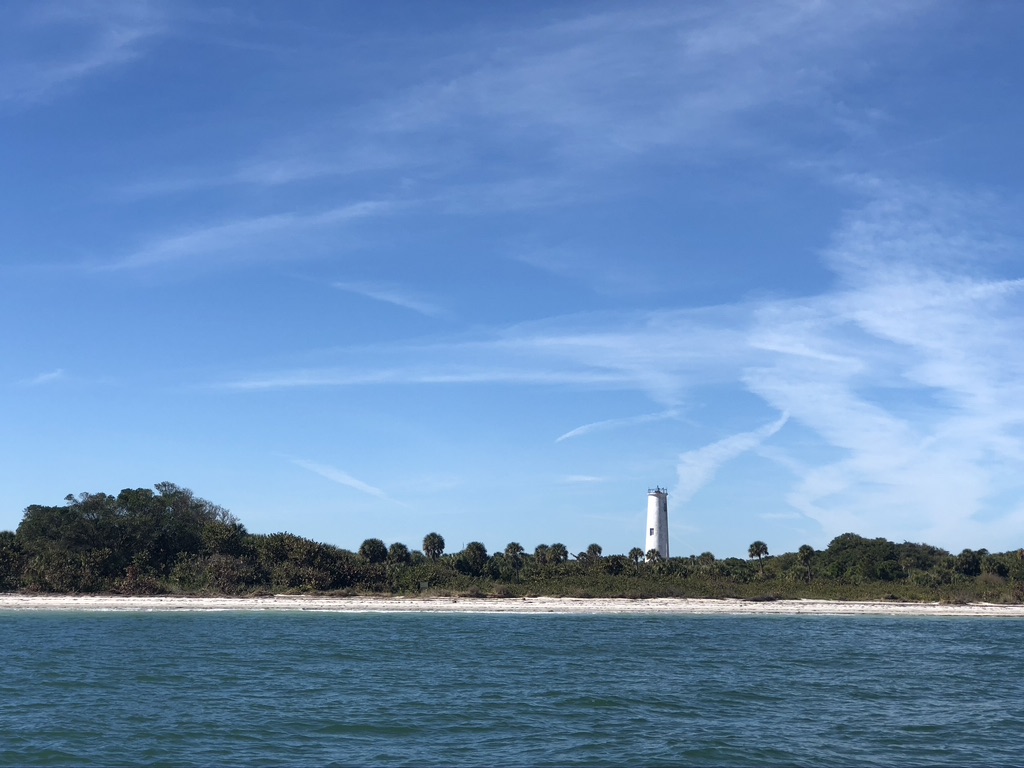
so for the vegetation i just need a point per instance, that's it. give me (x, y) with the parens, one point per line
(168, 540)
(758, 549)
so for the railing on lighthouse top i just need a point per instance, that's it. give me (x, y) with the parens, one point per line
(657, 489)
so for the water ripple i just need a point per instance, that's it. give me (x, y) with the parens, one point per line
(342, 689)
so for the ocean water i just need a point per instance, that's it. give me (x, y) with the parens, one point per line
(442, 689)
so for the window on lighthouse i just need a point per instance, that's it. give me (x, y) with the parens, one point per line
(652, 532)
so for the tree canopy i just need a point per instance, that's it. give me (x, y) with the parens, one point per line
(166, 539)
(433, 545)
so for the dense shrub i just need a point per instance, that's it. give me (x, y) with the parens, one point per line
(168, 540)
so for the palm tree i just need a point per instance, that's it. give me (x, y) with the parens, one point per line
(474, 557)
(433, 545)
(804, 555)
(558, 553)
(542, 553)
(653, 555)
(399, 553)
(514, 555)
(591, 557)
(373, 550)
(636, 555)
(758, 549)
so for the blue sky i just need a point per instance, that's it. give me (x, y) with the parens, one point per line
(493, 270)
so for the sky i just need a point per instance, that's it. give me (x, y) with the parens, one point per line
(493, 270)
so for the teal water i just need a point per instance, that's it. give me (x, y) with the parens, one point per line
(359, 689)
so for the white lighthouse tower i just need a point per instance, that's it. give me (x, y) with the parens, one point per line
(657, 521)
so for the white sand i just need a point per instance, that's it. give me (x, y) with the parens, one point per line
(530, 605)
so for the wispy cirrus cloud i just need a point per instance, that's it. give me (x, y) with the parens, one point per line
(912, 368)
(904, 380)
(399, 375)
(391, 294)
(583, 479)
(660, 354)
(308, 160)
(50, 46)
(606, 424)
(612, 85)
(698, 467)
(49, 377)
(341, 477)
(618, 83)
(246, 239)
(563, 101)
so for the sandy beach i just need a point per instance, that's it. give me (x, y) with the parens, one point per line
(529, 605)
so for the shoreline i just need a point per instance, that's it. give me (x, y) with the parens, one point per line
(525, 605)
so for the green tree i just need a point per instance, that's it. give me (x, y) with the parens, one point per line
(758, 549)
(433, 545)
(514, 556)
(804, 555)
(614, 564)
(591, 557)
(11, 561)
(223, 538)
(636, 555)
(94, 539)
(655, 561)
(968, 562)
(541, 554)
(473, 559)
(398, 554)
(373, 550)
(706, 562)
(558, 553)
(855, 559)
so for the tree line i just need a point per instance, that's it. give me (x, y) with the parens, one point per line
(167, 540)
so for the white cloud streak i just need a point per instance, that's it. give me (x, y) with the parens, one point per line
(564, 101)
(246, 239)
(45, 378)
(698, 467)
(390, 294)
(341, 477)
(658, 354)
(904, 381)
(912, 369)
(607, 424)
(582, 479)
(406, 376)
(99, 37)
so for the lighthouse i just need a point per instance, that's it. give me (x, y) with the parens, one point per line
(657, 521)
